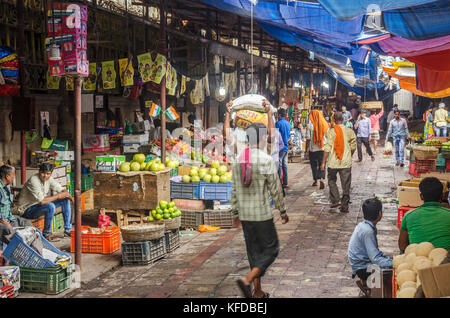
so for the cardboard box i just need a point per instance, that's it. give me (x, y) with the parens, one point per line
(436, 281)
(95, 143)
(76, 67)
(131, 148)
(408, 192)
(135, 139)
(372, 105)
(88, 197)
(65, 155)
(183, 170)
(109, 163)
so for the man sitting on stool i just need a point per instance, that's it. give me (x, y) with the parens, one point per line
(36, 199)
(363, 247)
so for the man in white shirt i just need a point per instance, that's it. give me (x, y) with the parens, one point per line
(36, 199)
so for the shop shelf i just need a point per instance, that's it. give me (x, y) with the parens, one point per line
(401, 213)
(183, 190)
(143, 253)
(172, 240)
(19, 253)
(51, 281)
(223, 219)
(215, 191)
(105, 243)
(191, 219)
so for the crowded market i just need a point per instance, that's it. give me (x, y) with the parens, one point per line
(191, 148)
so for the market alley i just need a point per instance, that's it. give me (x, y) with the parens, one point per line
(313, 247)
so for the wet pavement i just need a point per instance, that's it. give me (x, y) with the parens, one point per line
(313, 247)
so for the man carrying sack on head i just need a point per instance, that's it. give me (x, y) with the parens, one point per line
(315, 143)
(340, 146)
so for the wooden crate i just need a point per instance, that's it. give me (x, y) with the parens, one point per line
(140, 190)
(88, 198)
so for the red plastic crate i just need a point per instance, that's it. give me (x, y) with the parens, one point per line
(7, 291)
(39, 224)
(425, 165)
(447, 165)
(105, 243)
(412, 170)
(401, 213)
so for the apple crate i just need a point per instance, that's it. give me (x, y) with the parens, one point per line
(191, 219)
(172, 240)
(215, 191)
(143, 253)
(223, 219)
(184, 190)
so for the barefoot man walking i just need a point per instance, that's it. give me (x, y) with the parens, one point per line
(255, 177)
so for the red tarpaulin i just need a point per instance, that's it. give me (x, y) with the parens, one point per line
(438, 61)
(430, 80)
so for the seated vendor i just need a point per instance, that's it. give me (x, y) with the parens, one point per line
(7, 220)
(363, 246)
(428, 223)
(36, 199)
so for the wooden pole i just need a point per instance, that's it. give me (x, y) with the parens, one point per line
(21, 40)
(163, 51)
(78, 171)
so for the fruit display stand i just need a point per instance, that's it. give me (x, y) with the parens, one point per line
(136, 190)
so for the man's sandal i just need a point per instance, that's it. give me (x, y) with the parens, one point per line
(246, 289)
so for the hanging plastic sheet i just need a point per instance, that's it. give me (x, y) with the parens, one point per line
(348, 9)
(431, 81)
(421, 22)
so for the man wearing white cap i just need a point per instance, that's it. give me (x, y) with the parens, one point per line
(440, 121)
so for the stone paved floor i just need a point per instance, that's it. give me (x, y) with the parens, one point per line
(313, 247)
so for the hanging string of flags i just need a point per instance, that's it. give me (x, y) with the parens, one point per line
(152, 67)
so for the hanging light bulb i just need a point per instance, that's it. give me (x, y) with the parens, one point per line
(222, 90)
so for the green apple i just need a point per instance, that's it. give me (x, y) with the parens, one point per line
(154, 166)
(202, 174)
(135, 166)
(186, 178)
(223, 179)
(143, 166)
(125, 167)
(215, 164)
(193, 172)
(161, 167)
(222, 170)
(207, 178)
(195, 179)
(167, 160)
(213, 171)
(215, 179)
(139, 157)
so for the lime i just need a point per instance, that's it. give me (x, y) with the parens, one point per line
(153, 213)
(166, 216)
(159, 217)
(171, 210)
(165, 211)
(171, 204)
(173, 215)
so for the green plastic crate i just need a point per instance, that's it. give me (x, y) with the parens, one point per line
(50, 281)
(440, 161)
(58, 223)
(87, 181)
(174, 172)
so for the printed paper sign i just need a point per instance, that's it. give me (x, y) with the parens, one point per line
(126, 72)
(90, 83)
(108, 75)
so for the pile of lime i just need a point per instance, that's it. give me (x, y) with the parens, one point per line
(164, 211)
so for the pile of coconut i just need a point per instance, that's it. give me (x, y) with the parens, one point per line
(415, 258)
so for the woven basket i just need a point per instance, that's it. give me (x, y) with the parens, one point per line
(139, 233)
(445, 154)
(425, 152)
(172, 224)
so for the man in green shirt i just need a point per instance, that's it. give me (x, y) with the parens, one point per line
(428, 223)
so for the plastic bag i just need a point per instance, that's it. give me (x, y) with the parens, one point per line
(103, 221)
(250, 102)
(207, 228)
(388, 148)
